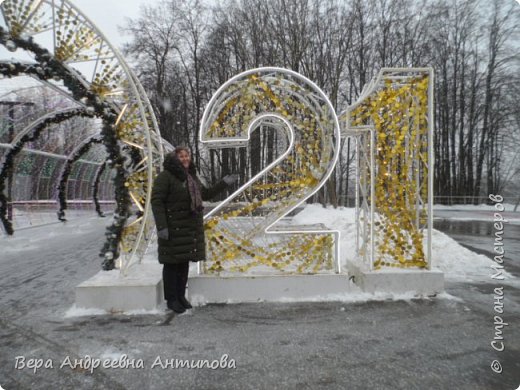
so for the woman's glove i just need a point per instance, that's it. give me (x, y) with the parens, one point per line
(163, 234)
(230, 179)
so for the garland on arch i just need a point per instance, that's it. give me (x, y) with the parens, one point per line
(62, 186)
(47, 67)
(95, 188)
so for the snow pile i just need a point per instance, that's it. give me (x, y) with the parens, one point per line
(341, 219)
(457, 262)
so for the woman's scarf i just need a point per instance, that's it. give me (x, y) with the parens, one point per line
(196, 197)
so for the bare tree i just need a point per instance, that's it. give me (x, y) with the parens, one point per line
(184, 50)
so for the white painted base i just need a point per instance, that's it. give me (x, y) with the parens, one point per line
(398, 281)
(110, 291)
(142, 289)
(280, 288)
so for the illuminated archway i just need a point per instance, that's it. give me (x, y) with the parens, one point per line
(65, 43)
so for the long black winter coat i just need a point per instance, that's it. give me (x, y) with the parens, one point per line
(171, 206)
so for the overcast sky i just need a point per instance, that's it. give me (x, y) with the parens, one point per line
(107, 15)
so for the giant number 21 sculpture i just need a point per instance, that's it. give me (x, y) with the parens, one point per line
(392, 124)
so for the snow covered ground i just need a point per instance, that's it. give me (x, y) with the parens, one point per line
(411, 343)
(457, 262)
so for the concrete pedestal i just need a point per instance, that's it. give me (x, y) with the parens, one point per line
(398, 281)
(110, 291)
(269, 288)
(142, 289)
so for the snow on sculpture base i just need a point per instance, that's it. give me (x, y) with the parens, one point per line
(398, 281)
(269, 288)
(110, 291)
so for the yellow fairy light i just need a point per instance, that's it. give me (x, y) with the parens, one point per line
(395, 194)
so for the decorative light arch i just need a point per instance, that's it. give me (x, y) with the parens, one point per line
(114, 94)
(74, 155)
(95, 188)
(28, 134)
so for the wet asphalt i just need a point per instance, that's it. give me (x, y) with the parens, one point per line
(436, 343)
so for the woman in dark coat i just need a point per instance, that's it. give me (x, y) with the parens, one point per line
(177, 197)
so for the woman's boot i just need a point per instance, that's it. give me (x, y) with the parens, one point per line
(171, 284)
(183, 281)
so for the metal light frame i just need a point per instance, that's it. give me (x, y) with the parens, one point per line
(215, 105)
(121, 97)
(363, 135)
